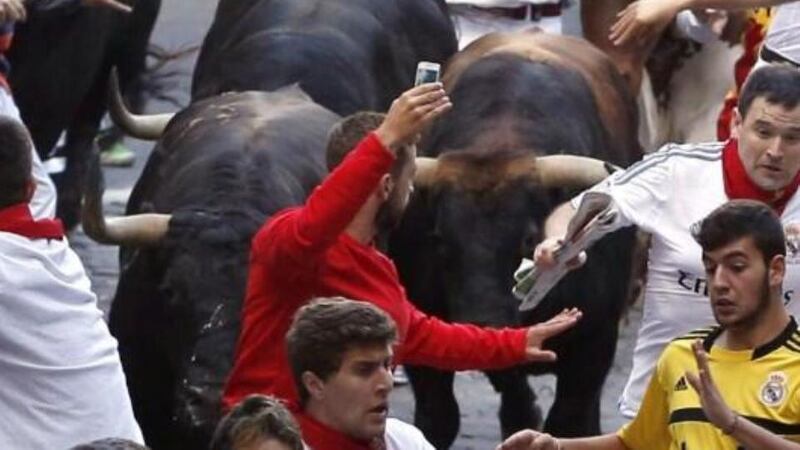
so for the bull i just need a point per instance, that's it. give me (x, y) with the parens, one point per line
(61, 61)
(222, 167)
(479, 208)
(349, 55)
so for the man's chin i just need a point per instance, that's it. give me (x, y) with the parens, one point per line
(373, 431)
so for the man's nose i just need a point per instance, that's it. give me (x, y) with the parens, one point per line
(385, 380)
(775, 149)
(718, 280)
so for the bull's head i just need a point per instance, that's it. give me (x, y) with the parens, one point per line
(178, 300)
(472, 219)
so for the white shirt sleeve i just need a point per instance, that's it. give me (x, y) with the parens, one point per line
(639, 192)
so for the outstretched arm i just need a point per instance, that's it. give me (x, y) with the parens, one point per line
(432, 342)
(534, 440)
(334, 203)
(643, 19)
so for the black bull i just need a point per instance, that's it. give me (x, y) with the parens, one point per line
(348, 55)
(466, 231)
(60, 61)
(223, 166)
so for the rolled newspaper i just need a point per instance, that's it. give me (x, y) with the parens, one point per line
(594, 218)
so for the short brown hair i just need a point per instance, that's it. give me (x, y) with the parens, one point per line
(15, 161)
(325, 329)
(255, 418)
(739, 219)
(348, 132)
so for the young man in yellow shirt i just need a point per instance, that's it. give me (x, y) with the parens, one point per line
(753, 399)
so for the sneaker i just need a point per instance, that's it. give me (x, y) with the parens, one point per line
(117, 155)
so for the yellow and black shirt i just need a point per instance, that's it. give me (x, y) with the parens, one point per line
(762, 385)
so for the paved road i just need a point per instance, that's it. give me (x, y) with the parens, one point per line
(183, 23)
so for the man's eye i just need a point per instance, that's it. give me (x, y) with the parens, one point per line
(763, 133)
(365, 370)
(738, 267)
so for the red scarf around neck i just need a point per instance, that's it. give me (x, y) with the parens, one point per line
(738, 184)
(17, 219)
(319, 436)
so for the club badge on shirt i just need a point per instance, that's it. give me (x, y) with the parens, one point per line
(773, 391)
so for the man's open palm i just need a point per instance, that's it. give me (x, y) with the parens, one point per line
(539, 333)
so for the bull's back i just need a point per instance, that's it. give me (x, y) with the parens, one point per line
(348, 55)
(240, 150)
(613, 103)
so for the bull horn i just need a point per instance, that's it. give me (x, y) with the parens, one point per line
(137, 230)
(145, 127)
(426, 168)
(569, 171)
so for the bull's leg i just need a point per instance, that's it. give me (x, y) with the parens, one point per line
(436, 412)
(518, 409)
(78, 149)
(581, 374)
(81, 132)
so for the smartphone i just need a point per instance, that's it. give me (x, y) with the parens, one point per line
(427, 72)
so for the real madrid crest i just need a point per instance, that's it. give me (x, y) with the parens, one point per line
(773, 391)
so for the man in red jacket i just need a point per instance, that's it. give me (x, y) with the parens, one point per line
(326, 249)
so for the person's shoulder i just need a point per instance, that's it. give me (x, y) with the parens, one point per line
(684, 342)
(402, 435)
(694, 151)
(274, 224)
(698, 333)
(672, 160)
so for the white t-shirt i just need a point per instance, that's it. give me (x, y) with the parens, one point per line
(404, 436)
(665, 194)
(783, 35)
(61, 380)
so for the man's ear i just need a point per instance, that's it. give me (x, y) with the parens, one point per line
(736, 124)
(314, 385)
(777, 270)
(385, 187)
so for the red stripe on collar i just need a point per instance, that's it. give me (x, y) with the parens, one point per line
(738, 184)
(17, 219)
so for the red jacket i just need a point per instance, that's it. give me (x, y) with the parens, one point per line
(303, 253)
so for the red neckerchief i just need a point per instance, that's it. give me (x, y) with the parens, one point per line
(17, 219)
(321, 437)
(739, 185)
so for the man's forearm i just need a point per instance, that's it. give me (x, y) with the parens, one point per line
(558, 221)
(728, 4)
